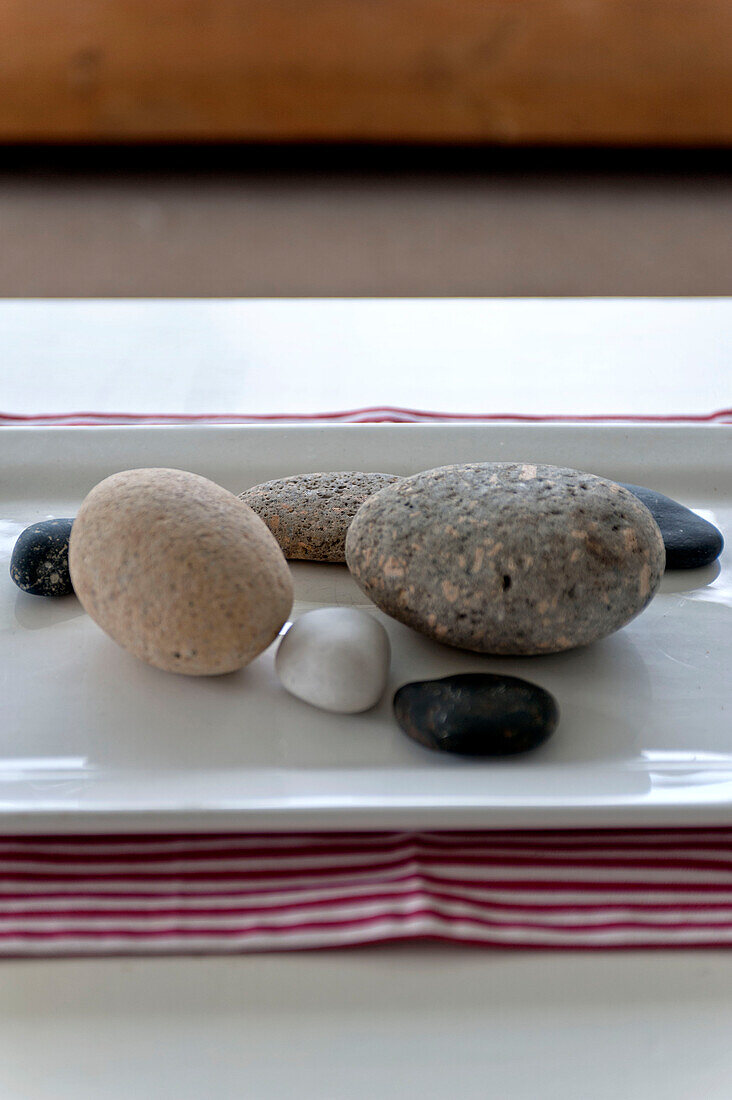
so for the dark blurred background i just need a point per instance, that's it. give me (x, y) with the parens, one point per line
(365, 147)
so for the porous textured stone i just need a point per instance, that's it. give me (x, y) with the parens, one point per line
(691, 542)
(507, 558)
(335, 658)
(40, 560)
(179, 571)
(309, 514)
(477, 714)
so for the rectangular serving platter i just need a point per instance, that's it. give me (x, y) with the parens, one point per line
(92, 740)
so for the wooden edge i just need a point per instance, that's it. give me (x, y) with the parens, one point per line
(502, 71)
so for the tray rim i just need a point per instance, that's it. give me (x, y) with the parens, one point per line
(579, 814)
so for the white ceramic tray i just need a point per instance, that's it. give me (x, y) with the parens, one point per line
(93, 740)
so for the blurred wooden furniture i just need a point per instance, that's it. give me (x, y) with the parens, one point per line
(507, 71)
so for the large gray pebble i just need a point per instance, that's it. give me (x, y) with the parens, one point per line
(507, 558)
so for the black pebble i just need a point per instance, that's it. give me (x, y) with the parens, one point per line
(691, 542)
(40, 559)
(477, 714)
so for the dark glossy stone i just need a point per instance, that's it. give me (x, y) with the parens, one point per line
(40, 560)
(691, 542)
(477, 714)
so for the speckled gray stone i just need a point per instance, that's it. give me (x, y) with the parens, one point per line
(309, 514)
(507, 558)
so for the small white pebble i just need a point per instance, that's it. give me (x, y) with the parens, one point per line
(335, 658)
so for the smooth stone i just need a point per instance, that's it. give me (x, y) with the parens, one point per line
(309, 514)
(335, 658)
(477, 714)
(691, 542)
(179, 571)
(507, 558)
(40, 560)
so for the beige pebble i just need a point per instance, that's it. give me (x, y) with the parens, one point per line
(179, 571)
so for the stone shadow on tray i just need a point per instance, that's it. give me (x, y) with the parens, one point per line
(603, 691)
(604, 695)
(686, 580)
(43, 612)
(183, 722)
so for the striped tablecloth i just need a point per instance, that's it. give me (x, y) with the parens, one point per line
(106, 895)
(217, 894)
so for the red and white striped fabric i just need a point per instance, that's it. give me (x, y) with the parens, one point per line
(221, 894)
(382, 414)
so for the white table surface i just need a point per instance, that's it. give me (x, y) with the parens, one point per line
(381, 1022)
(305, 356)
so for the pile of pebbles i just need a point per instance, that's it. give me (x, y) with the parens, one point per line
(493, 558)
